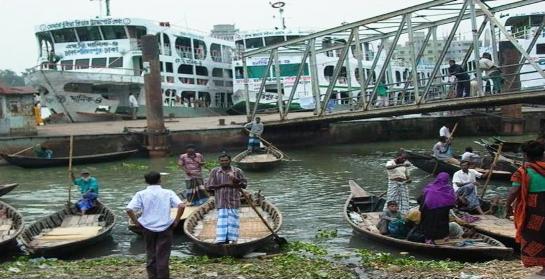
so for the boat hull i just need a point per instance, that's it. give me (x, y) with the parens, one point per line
(233, 250)
(432, 165)
(10, 244)
(55, 220)
(497, 250)
(34, 162)
(4, 189)
(258, 166)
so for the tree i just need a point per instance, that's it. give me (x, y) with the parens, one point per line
(10, 78)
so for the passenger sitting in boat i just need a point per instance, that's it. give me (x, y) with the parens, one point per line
(465, 182)
(438, 199)
(88, 187)
(391, 222)
(256, 129)
(441, 151)
(470, 156)
(42, 151)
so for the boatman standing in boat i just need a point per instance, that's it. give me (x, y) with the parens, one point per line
(256, 129)
(156, 223)
(133, 105)
(227, 182)
(191, 163)
(398, 178)
(88, 187)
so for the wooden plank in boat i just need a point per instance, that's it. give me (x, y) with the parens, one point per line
(495, 225)
(91, 231)
(356, 190)
(70, 220)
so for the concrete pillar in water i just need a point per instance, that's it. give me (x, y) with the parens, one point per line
(156, 133)
(512, 120)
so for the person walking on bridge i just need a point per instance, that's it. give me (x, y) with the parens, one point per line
(462, 79)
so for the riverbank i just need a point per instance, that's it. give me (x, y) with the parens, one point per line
(300, 260)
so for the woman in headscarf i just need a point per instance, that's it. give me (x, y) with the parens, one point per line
(438, 199)
(528, 198)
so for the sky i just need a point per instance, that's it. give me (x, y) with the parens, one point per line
(18, 18)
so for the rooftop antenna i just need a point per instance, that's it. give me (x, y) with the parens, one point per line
(280, 6)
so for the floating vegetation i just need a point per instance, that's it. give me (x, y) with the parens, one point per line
(326, 234)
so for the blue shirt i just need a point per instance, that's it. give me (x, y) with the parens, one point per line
(87, 185)
(155, 204)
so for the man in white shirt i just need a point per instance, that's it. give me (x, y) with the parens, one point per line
(465, 184)
(133, 105)
(156, 223)
(398, 178)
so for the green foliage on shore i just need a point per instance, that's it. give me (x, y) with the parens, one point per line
(378, 259)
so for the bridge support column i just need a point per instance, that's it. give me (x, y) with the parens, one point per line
(156, 133)
(512, 121)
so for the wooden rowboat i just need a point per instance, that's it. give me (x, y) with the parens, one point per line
(36, 162)
(4, 189)
(200, 227)
(258, 161)
(11, 225)
(502, 171)
(188, 211)
(363, 222)
(67, 231)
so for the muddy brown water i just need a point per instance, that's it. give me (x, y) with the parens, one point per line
(310, 191)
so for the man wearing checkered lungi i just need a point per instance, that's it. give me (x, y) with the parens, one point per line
(398, 178)
(227, 181)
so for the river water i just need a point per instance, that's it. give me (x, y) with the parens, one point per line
(309, 190)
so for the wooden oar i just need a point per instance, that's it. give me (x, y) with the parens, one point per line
(22, 151)
(70, 170)
(498, 152)
(453, 130)
(279, 240)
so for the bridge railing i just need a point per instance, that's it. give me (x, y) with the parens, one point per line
(337, 60)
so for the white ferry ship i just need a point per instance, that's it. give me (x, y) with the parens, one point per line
(87, 68)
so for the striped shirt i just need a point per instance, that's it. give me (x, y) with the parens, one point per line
(227, 193)
(191, 164)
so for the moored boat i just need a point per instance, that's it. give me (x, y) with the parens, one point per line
(187, 212)
(200, 227)
(11, 225)
(36, 162)
(502, 171)
(498, 228)
(6, 188)
(67, 231)
(363, 220)
(248, 161)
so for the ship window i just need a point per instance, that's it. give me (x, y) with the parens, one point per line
(116, 62)
(64, 35)
(227, 54)
(82, 63)
(273, 40)
(89, 33)
(228, 73)
(398, 77)
(161, 68)
(217, 72)
(113, 32)
(292, 37)
(201, 71)
(328, 71)
(98, 62)
(183, 47)
(239, 72)
(215, 52)
(239, 44)
(199, 49)
(254, 43)
(185, 69)
(67, 64)
(168, 67)
(136, 31)
(540, 49)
